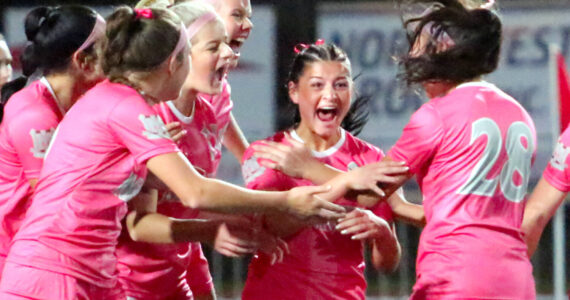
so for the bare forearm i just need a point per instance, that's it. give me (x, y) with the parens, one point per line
(386, 253)
(318, 172)
(219, 196)
(234, 139)
(540, 208)
(157, 228)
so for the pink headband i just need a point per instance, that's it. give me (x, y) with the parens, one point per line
(182, 41)
(199, 23)
(97, 31)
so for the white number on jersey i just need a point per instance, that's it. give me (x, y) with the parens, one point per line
(519, 159)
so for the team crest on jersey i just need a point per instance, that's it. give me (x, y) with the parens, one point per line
(129, 188)
(154, 128)
(351, 166)
(558, 160)
(41, 140)
(251, 170)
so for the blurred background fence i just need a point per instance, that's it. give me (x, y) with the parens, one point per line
(371, 33)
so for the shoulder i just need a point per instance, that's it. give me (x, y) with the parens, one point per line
(361, 145)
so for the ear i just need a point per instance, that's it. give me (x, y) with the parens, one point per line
(82, 61)
(293, 92)
(174, 64)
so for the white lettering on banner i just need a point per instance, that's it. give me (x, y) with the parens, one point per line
(373, 38)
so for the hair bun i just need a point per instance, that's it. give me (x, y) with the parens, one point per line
(35, 20)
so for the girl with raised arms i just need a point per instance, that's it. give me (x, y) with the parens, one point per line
(471, 148)
(151, 271)
(98, 161)
(324, 262)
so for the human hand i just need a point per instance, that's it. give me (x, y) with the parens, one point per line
(293, 159)
(368, 176)
(363, 224)
(234, 241)
(175, 131)
(304, 202)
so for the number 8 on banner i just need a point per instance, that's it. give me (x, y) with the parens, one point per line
(519, 160)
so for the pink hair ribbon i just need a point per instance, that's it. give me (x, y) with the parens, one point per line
(97, 32)
(300, 47)
(143, 13)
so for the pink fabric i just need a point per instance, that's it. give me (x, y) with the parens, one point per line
(323, 264)
(29, 282)
(472, 246)
(160, 271)
(95, 165)
(222, 106)
(30, 118)
(557, 172)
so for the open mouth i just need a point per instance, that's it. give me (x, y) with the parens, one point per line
(236, 44)
(220, 73)
(327, 114)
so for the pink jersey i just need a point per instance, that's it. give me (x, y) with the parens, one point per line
(557, 172)
(221, 106)
(161, 271)
(30, 119)
(471, 152)
(96, 163)
(323, 264)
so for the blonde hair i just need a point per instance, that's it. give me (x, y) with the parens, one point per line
(190, 11)
(153, 3)
(214, 3)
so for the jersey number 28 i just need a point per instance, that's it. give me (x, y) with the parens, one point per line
(519, 160)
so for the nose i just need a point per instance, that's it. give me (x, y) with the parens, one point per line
(247, 24)
(329, 92)
(226, 52)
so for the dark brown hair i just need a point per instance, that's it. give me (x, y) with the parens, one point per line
(476, 34)
(357, 115)
(136, 43)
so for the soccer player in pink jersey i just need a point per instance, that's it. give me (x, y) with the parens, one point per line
(471, 148)
(98, 161)
(32, 114)
(548, 194)
(325, 260)
(171, 271)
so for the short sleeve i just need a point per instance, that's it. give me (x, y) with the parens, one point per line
(140, 129)
(557, 171)
(31, 133)
(198, 273)
(420, 139)
(258, 177)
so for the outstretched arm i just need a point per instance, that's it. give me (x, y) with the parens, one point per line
(198, 192)
(540, 208)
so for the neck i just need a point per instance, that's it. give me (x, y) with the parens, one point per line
(149, 87)
(67, 89)
(185, 103)
(315, 141)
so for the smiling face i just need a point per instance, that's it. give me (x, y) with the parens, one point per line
(323, 93)
(236, 15)
(5, 63)
(210, 58)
